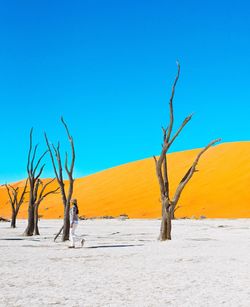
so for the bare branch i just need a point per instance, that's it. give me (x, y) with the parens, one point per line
(171, 112)
(190, 172)
(13, 188)
(161, 164)
(30, 149)
(55, 149)
(23, 194)
(178, 207)
(44, 187)
(155, 160)
(59, 172)
(186, 120)
(72, 147)
(41, 196)
(55, 191)
(10, 197)
(33, 159)
(40, 172)
(51, 156)
(66, 127)
(14, 192)
(66, 164)
(39, 161)
(59, 161)
(58, 234)
(164, 131)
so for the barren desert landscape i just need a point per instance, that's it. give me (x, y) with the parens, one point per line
(123, 264)
(125, 153)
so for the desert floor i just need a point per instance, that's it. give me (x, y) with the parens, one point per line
(123, 264)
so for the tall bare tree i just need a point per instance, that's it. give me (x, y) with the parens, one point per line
(55, 155)
(40, 193)
(16, 199)
(168, 204)
(33, 178)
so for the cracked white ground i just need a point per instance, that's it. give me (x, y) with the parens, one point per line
(207, 263)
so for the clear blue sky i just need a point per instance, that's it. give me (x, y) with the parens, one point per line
(108, 66)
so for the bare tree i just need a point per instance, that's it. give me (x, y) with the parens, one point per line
(58, 170)
(168, 204)
(33, 178)
(39, 196)
(15, 201)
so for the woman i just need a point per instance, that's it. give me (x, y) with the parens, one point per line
(73, 214)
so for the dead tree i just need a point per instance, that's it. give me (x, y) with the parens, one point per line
(33, 178)
(169, 205)
(15, 201)
(39, 196)
(58, 170)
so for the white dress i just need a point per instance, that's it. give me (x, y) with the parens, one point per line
(73, 225)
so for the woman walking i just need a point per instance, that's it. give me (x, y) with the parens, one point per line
(73, 214)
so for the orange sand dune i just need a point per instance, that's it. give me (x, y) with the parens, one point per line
(220, 189)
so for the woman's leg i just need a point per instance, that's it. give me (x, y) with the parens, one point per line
(72, 235)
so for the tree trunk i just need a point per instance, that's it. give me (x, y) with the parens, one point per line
(31, 221)
(13, 220)
(166, 223)
(172, 213)
(36, 221)
(66, 223)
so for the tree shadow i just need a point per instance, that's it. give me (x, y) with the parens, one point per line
(115, 246)
(11, 239)
(19, 239)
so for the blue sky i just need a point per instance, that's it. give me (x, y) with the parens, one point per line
(108, 66)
